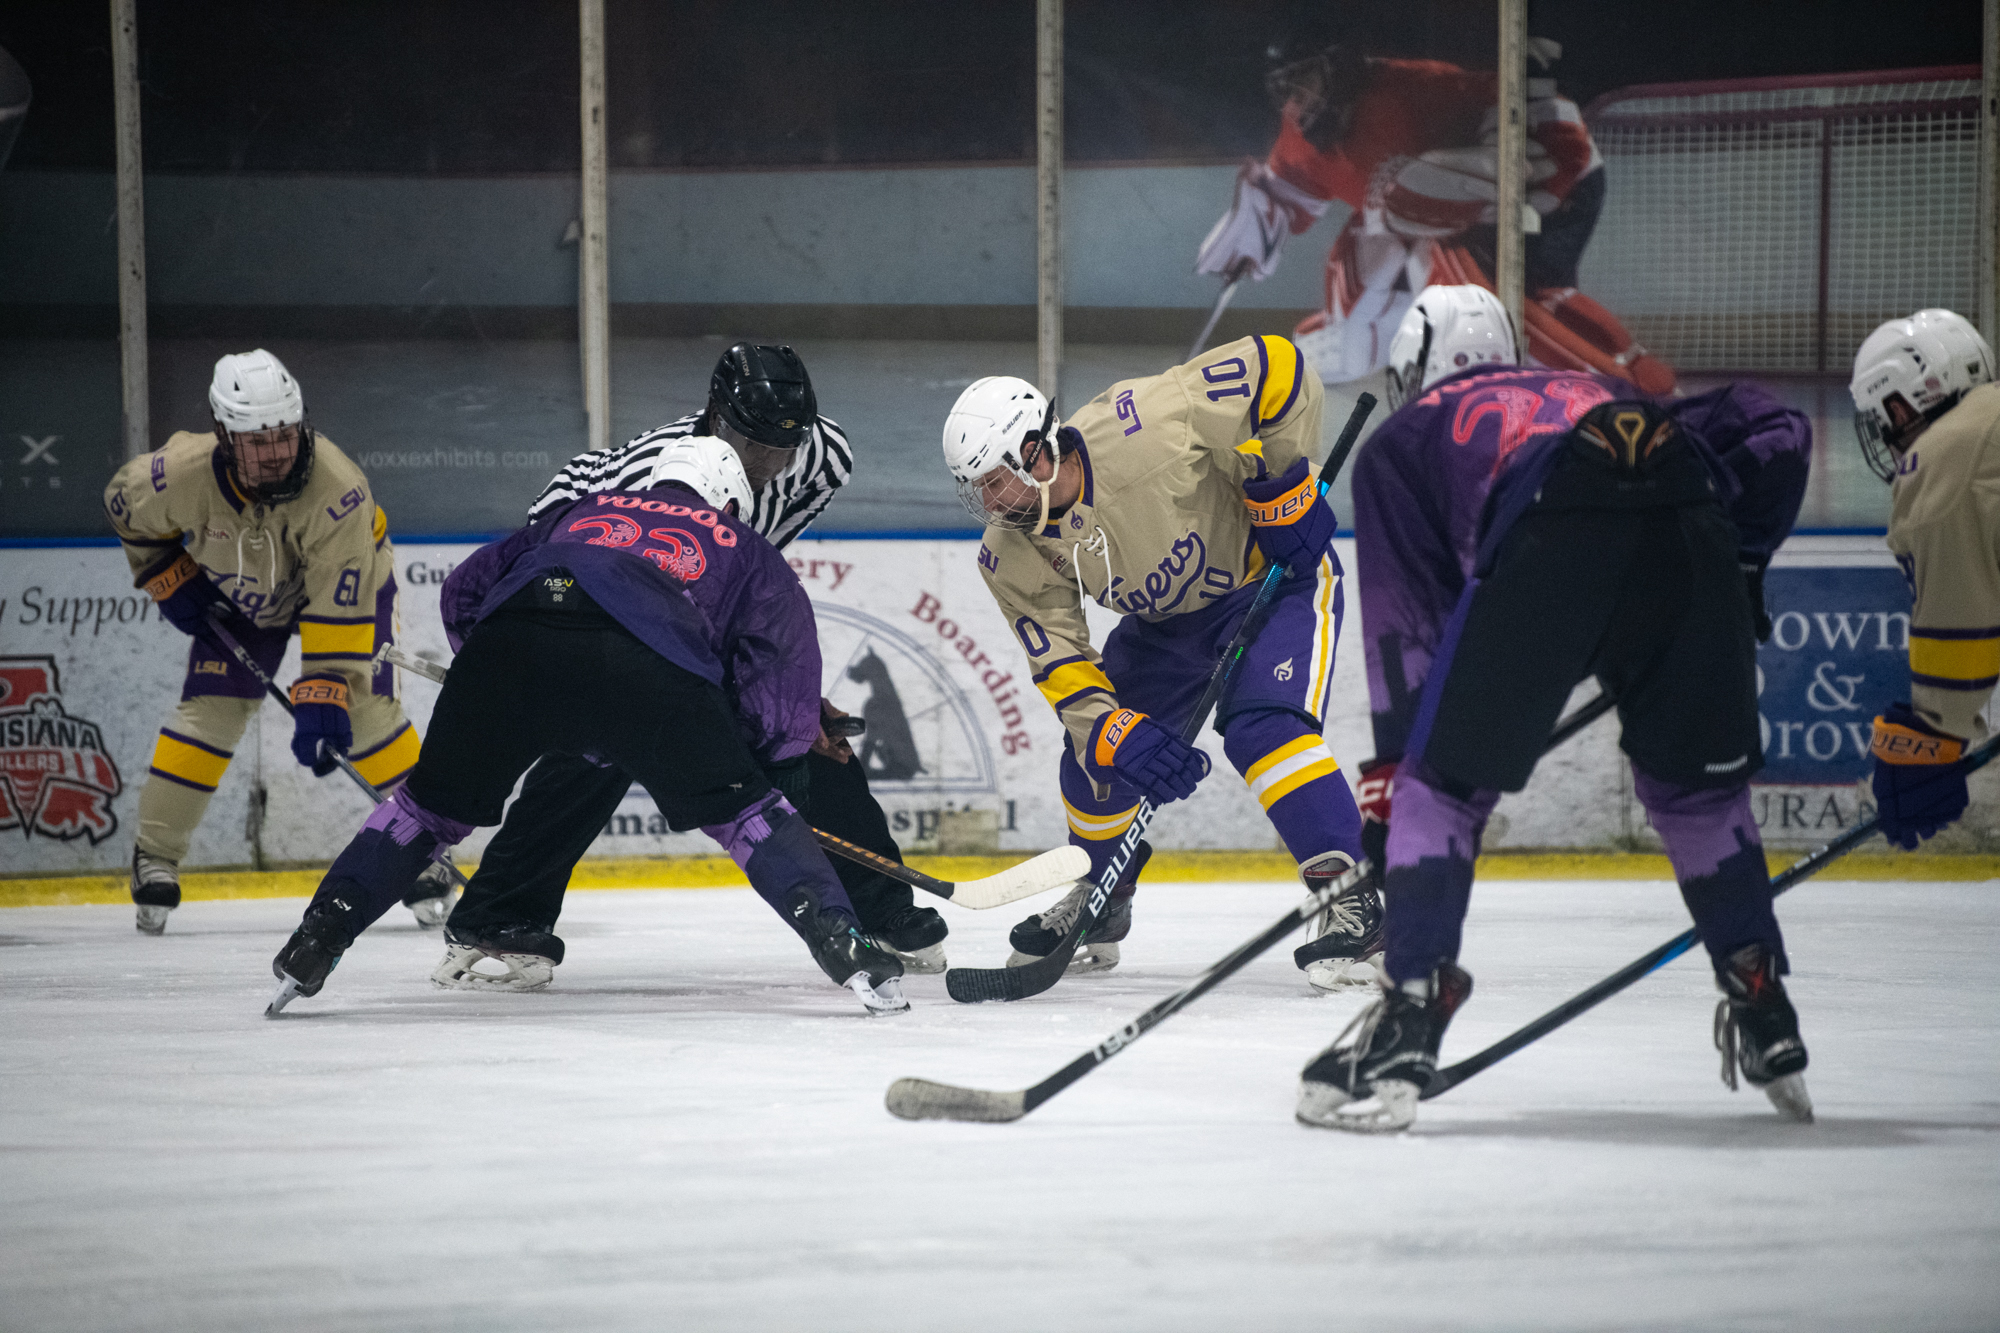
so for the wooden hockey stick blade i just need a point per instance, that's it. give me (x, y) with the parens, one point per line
(1037, 874)
(1799, 871)
(921, 1099)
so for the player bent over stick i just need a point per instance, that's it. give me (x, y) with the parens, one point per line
(620, 628)
(1166, 499)
(1618, 541)
(1928, 416)
(761, 401)
(268, 524)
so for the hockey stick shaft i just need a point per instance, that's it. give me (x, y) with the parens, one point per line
(921, 1099)
(1803, 869)
(974, 985)
(242, 655)
(1228, 294)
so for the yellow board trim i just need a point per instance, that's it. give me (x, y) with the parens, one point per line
(318, 640)
(393, 760)
(1283, 359)
(1955, 659)
(719, 872)
(1067, 680)
(189, 763)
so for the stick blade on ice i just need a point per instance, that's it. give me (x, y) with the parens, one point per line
(1052, 869)
(921, 1099)
(982, 985)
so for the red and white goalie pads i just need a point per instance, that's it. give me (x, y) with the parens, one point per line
(1265, 210)
(1365, 300)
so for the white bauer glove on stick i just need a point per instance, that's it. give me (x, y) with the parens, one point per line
(1267, 208)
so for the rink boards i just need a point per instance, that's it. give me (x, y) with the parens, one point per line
(961, 749)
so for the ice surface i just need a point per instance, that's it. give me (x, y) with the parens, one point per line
(687, 1132)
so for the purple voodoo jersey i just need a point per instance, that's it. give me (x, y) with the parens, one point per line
(1422, 481)
(696, 586)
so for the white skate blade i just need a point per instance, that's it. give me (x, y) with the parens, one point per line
(1390, 1108)
(1789, 1095)
(152, 918)
(1089, 958)
(1058, 868)
(432, 913)
(288, 990)
(1328, 975)
(924, 962)
(462, 970)
(886, 998)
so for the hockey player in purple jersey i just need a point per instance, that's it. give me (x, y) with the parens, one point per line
(648, 628)
(1517, 531)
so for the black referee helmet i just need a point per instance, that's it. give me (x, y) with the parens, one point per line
(764, 393)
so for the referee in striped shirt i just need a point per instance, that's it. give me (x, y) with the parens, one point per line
(761, 401)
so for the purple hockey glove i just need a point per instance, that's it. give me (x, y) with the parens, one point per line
(1292, 520)
(1140, 752)
(185, 593)
(319, 714)
(1919, 785)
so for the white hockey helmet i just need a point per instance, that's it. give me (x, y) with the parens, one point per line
(254, 391)
(708, 466)
(999, 428)
(1907, 374)
(260, 425)
(1446, 330)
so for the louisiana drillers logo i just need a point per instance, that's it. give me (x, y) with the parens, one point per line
(56, 778)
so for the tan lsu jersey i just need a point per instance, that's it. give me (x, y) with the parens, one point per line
(1944, 527)
(1160, 528)
(322, 559)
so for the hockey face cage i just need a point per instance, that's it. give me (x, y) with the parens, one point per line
(1407, 382)
(977, 493)
(270, 465)
(1884, 433)
(1319, 92)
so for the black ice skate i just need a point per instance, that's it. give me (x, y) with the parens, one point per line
(1757, 1030)
(510, 957)
(156, 890)
(1370, 1079)
(1345, 948)
(1044, 933)
(311, 954)
(849, 956)
(917, 935)
(430, 899)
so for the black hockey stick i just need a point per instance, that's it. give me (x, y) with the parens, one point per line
(974, 985)
(921, 1099)
(242, 655)
(1037, 874)
(1452, 1075)
(1230, 283)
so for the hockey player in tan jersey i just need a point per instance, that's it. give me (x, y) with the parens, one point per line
(1165, 499)
(274, 529)
(1928, 414)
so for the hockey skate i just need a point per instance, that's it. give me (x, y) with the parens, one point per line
(431, 898)
(916, 935)
(849, 956)
(311, 954)
(1370, 1079)
(156, 890)
(1044, 933)
(1757, 1030)
(513, 958)
(1345, 948)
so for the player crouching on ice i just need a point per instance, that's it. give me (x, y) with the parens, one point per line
(1518, 531)
(1928, 380)
(651, 630)
(267, 527)
(1166, 499)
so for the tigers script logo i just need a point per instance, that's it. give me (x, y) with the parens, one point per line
(56, 777)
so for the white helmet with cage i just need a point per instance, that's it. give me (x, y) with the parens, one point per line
(710, 467)
(260, 425)
(1446, 330)
(1907, 374)
(1000, 427)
